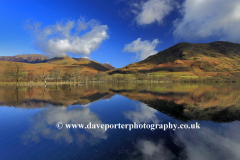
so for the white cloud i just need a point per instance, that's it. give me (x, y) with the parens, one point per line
(209, 18)
(143, 114)
(86, 57)
(142, 49)
(60, 39)
(153, 11)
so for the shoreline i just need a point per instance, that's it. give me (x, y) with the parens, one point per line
(136, 82)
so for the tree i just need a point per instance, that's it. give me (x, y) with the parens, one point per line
(45, 77)
(15, 71)
(140, 76)
(91, 77)
(126, 77)
(72, 74)
(101, 76)
(30, 76)
(156, 78)
(114, 78)
(56, 73)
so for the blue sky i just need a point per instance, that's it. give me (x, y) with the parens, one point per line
(118, 32)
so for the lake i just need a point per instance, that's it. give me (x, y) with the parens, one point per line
(34, 121)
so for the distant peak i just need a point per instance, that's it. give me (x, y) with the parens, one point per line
(66, 56)
(26, 58)
(82, 59)
(109, 66)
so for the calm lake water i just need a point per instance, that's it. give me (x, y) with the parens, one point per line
(29, 114)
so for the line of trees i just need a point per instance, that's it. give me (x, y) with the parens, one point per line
(17, 72)
(14, 71)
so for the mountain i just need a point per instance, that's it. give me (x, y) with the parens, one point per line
(109, 66)
(81, 59)
(86, 65)
(38, 63)
(66, 60)
(28, 58)
(91, 65)
(83, 64)
(188, 59)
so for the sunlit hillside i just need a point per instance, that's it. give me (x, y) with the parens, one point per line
(186, 60)
(86, 66)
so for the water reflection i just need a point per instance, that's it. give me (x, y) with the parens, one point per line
(38, 96)
(44, 125)
(206, 144)
(215, 107)
(142, 114)
(152, 150)
(219, 103)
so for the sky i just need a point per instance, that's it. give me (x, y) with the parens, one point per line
(118, 32)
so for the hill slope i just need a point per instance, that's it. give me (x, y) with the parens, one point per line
(203, 59)
(29, 58)
(87, 66)
(109, 66)
(62, 60)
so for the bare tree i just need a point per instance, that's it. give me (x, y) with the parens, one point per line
(45, 77)
(30, 76)
(156, 78)
(3, 77)
(101, 76)
(56, 73)
(126, 77)
(15, 71)
(140, 76)
(114, 78)
(91, 77)
(72, 74)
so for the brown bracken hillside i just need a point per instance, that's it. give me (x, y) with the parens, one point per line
(188, 59)
(84, 65)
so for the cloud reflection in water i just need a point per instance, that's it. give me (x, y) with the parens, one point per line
(207, 143)
(44, 125)
(143, 114)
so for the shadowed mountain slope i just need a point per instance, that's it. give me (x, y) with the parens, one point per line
(109, 66)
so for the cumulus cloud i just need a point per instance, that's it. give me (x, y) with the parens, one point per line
(142, 49)
(78, 37)
(143, 114)
(153, 11)
(209, 18)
